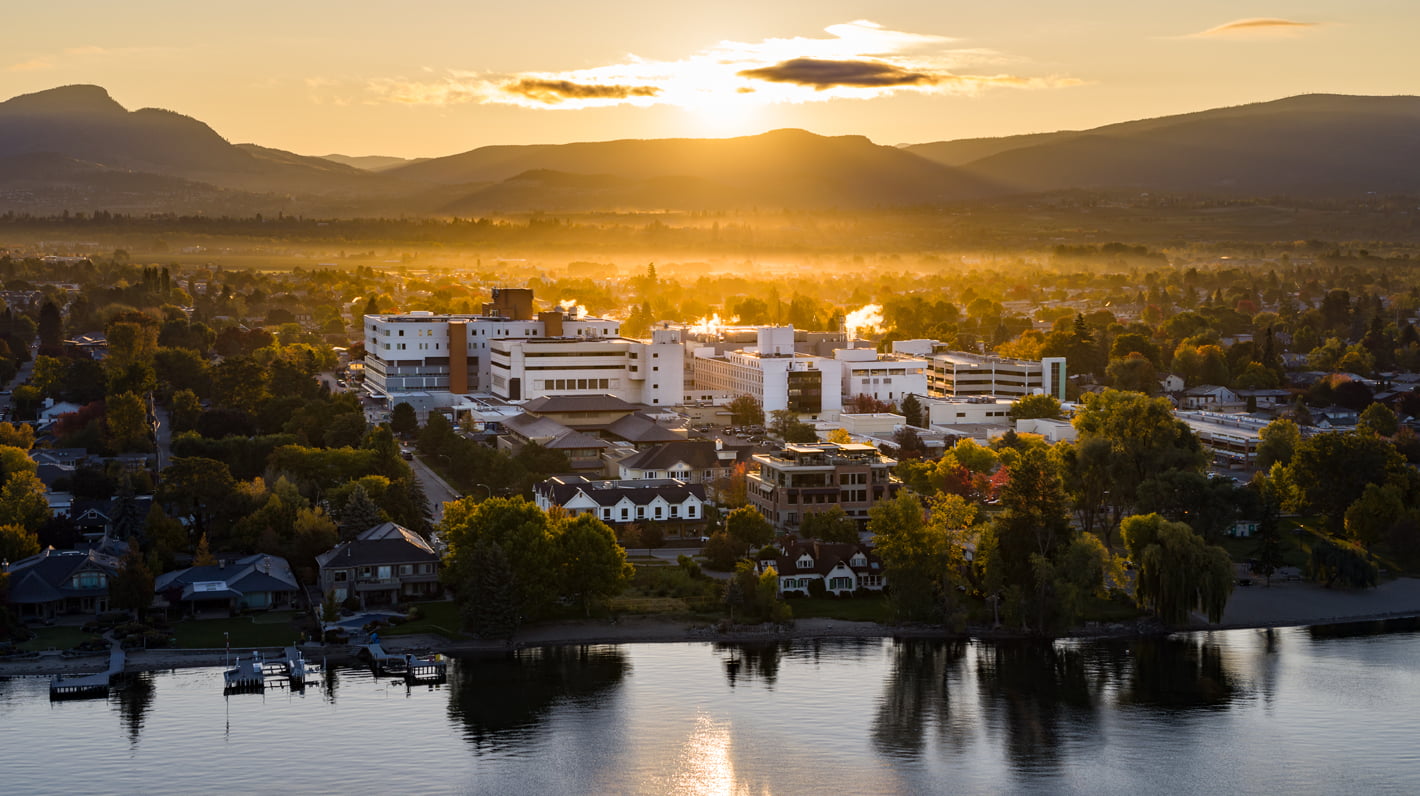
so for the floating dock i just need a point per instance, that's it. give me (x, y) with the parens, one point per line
(90, 685)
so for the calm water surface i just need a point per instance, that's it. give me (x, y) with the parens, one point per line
(1276, 712)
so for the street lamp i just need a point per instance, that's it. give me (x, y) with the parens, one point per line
(489, 488)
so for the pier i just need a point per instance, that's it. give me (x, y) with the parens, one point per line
(90, 685)
(287, 668)
(429, 669)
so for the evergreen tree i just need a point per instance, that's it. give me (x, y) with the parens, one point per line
(487, 604)
(359, 514)
(132, 588)
(912, 411)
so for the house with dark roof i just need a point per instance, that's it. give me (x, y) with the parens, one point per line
(385, 565)
(583, 450)
(698, 461)
(1212, 397)
(672, 504)
(254, 583)
(641, 431)
(57, 583)
(842, 568)
(581, 412)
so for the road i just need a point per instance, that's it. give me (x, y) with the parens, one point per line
(437, 489)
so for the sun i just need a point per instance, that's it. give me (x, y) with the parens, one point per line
(725, 114)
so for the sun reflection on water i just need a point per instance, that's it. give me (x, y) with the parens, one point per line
(703, 765)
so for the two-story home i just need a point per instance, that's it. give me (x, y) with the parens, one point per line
(841, 568)
(385, 565)
(699, 461)
(59, 582)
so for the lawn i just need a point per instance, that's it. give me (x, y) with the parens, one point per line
(56, 638)
(853, 609)
(265, 630)
(441, 618)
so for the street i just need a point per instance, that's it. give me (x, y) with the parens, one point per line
(437, 489)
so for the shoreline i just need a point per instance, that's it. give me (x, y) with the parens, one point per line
(651, 630)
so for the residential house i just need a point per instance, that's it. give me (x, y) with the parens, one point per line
(254, 583)
(385, 565)
(1213, 398)
(700, 461)
(61, 582)
(672, 504)
(842, 568)
(583, 450)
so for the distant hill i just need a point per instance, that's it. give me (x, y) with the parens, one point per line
(1311, 144)
(85, 123)
(783, 167)
(372, 162)
(75, 148)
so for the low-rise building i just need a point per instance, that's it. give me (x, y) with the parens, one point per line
(253, 583)
(804, 479)
(62, 582)
(386, 565)
(840, 567)
(670, 503)
(1213, 398)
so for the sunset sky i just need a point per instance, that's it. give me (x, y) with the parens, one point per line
(434, 78)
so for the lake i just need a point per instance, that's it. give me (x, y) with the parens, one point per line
(1278, 712)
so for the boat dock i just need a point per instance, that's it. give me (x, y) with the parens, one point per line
(90, 685)
(429, 669)
(255, 673)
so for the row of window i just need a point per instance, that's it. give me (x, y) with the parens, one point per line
(692, 512)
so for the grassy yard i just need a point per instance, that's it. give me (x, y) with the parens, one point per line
(56, 638)
(266, 630)
(440, 618)
(855, 609)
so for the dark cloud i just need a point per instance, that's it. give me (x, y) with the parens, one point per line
(822, 74)
(555, 91)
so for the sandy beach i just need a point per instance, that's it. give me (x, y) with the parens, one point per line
(1280, 605)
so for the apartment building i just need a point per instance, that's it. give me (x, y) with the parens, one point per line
(803, 479)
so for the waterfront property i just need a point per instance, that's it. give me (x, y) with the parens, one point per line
(841, 568)
(386, 565)
(57, 583)
(258, 582)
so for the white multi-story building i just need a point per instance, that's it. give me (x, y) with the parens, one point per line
(420, 352)
(885, 377)
(637, 371)
(773, 374)
(956, 373)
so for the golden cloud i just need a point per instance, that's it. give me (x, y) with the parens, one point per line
(1255, 28)
(855, 60)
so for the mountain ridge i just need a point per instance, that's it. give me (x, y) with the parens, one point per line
(1307, 144)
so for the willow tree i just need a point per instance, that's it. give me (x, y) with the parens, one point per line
(1178, 571)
